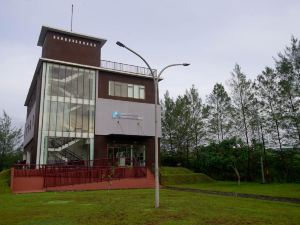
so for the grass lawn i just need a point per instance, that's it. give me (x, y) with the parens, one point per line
(274, 189)
(137, 207)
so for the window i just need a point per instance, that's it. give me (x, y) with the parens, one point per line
(130, 90)
(126, 90)
(68, 111)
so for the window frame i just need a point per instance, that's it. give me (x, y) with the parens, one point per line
(133, 91)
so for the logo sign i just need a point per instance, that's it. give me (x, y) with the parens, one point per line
(130, 116)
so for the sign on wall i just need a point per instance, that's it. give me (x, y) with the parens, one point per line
(130, 116)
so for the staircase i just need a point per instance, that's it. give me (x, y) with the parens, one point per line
(62, 153)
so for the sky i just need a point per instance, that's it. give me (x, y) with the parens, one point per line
(211, 35)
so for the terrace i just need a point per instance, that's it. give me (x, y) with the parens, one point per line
(126, 68)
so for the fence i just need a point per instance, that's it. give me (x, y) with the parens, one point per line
(79, 172)
(126, 68)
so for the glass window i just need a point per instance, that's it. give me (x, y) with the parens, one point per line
(61, 81)
(54, 80)
(86, 84)
(52, 121)
(142, 92)
(136, 91)
(68, 111)
(124, 90)
(80, 84)
(46, 115)
(79, 118)
(60, 114)
(92, 119)
(66, 126)
(73, 117)
(111, 88)
(130, 90)
(117, 89)
(68, 82)
(92, 85)
(74, 83)
(85, 118)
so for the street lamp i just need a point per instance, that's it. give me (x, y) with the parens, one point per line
(155, 82)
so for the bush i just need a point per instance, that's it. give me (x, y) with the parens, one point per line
(4, 181)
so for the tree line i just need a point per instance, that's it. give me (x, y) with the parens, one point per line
(251, 130)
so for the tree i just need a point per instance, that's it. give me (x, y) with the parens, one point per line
(271, 102)
(10, 142)
(196, 120)
(242, 96)
(288, 69)
(220, 113)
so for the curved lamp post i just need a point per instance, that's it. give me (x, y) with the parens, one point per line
(155, 82)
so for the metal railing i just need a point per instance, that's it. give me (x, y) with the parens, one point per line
(126, 68)
(79, 172)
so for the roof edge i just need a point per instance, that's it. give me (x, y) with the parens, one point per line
(45, 29)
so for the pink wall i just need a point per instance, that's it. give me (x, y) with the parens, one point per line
(26, 184)
(36, 184)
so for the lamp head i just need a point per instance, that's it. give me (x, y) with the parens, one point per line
(186, 64)
(120, 44)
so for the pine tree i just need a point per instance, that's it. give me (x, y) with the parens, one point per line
(288, 70)
(220, 113)
(241, 96)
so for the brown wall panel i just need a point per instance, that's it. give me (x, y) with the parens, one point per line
(105, 77)
(71, 52)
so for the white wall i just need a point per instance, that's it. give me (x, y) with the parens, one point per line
(135, 118)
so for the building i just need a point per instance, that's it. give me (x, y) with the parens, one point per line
(80, 107)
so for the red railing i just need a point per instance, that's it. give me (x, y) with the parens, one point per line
(78, 172)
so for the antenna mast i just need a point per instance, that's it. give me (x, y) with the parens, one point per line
(72, 19)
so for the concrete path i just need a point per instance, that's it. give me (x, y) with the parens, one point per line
(234, 194)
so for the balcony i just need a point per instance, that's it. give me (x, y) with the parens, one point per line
(126, 68)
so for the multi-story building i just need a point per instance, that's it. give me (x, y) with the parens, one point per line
(80, 107)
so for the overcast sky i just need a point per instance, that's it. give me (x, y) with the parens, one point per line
(211, 35)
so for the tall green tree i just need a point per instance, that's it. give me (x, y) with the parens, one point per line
(271, 102)
(242, 95)
(10, 142)
(288, 70)
(168, 124)
(196, 121)
(220, 113)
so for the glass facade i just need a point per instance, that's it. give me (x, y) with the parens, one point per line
(127, 154)
(66, 130)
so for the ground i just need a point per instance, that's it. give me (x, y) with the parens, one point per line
(137, 207)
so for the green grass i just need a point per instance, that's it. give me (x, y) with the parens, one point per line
(128, 207)
(136, 207)
(274, 189)
(180, 175)
(166, 170)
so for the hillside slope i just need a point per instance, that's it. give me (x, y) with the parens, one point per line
(181, 175)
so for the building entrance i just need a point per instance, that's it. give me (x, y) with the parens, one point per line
(127, 154)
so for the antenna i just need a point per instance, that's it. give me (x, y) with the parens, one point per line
(72, 19)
